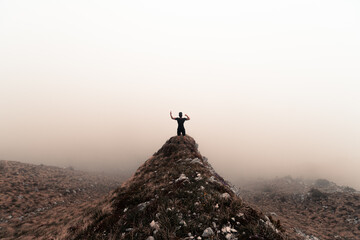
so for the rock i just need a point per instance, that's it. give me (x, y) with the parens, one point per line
(198, 177)
(154, 225)
(182, 222)
(208, 232)
(182, 177)
(143, 205)
(150, 238)
(229, 236)
(197, 160)
(225, 195)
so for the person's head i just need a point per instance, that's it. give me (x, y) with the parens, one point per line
(180, 114)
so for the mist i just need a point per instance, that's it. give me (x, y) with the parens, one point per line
(272, 88)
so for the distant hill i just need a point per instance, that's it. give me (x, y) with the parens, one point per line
(312, 210)
(175, 194)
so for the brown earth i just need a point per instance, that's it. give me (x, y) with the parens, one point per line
(37, 201)
(309, 209)
(175, 194)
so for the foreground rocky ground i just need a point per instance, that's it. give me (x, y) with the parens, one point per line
(37, 201)
(175, 194)
(310, 209)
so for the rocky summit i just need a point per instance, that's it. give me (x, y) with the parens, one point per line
(175, 194)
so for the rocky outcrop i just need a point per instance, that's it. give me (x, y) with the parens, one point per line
(175, 194)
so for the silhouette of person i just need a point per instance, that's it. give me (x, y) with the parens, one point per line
(180, 120)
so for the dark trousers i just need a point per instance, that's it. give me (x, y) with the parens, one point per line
(181, 130)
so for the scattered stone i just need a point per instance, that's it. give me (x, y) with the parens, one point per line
(208, 232)
(197, 160)
(182, 177)
(229, 236)
(226, 229)
(143, 205)
(154, 225)
(182, 222)
(225, 196)
(198, 177)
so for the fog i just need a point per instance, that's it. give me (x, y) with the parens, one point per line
(271, 87)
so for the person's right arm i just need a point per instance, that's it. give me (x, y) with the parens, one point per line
(188, 118)
(172, 116)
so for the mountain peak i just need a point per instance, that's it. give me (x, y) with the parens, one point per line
(175, 194)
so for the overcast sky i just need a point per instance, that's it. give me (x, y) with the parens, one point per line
(272, 87)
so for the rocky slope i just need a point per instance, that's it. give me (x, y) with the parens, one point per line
(175, 194)
(309, 209)
(37, 201)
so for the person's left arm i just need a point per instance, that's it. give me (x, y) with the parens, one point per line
(187, 117)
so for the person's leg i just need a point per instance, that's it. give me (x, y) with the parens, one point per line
(183, 131)
(178, 131)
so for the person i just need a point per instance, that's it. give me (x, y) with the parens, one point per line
(180, 120)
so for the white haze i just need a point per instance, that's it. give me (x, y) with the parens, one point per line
(272, 87)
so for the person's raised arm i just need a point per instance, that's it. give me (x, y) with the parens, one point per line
(187, 117)
(171, 115)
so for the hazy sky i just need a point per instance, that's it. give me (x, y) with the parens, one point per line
(272, 87)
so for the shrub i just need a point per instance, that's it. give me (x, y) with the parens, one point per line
(322, 183)
(317, 194)
(2, 166)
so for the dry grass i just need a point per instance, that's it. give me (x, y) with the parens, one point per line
(38, 201)
(326, 212)
(179, 207)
